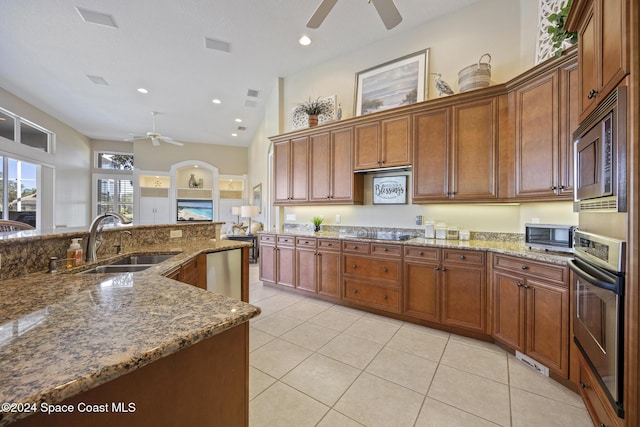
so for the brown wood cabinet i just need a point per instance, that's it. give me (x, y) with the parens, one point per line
(603, 48)
(331, 177)
(267, 258)
(306, 264)
(446, 286)
(329, 272)
(530, 310)
(193, 272)
(285, 261)
(291, 169)
(594, 397)
(455, 152)
(545, 115)
(383, 143)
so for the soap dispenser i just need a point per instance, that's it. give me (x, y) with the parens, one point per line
(74, 254)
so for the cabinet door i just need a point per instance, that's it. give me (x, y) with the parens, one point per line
(569, 116)
(285, 266)
(282, 169)
(536, 120)
(306, 269)
(614, 37)
(421, 291)
(329, 273)
(548, 324)
(345, 186)
(431, 155)
(268, 263)
(299, 169)
(320, 168)
(366, 155)
(464, 297)
(474, 150)
(588, 57)
(395, 149)
(508, 310)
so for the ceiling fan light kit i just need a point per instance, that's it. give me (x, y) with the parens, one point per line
(386, 9)
(156, 137)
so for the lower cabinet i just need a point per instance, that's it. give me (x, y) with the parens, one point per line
(594, 397)
(193, 273)
(285, 261)
(267, 258)
(328, 268)
(446, 286)
(531, 313)
(306, 264)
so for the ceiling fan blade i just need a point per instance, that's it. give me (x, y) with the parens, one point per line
(172, 141)
(321, 13)
(388, 13)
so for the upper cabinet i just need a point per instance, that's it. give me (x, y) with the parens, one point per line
(291, 167)
(383, 143)
(603, 48)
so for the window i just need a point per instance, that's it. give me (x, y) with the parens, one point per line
(115, 194)
(115, 161)
(18, 190)
(18, 129)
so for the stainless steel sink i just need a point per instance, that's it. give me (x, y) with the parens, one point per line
(142, 259)
(110, 268)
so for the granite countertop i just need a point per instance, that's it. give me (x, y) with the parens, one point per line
(62, 334)
(516, 249)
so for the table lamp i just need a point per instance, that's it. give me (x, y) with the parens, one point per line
(248, 212)
(235, 210)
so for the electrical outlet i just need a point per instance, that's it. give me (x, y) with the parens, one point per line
(338, 219)
(291, 217)
(175, 234)
(418, 219)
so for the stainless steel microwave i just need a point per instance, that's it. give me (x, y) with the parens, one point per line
(550, 237)
(600, 157)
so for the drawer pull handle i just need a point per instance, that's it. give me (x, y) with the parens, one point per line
(355, 247)
(583, 385)
(526, 286)
(519, 284)
(592, 94)
(385, 297)
(421, 253)
(386, 249)
(524, 267)
(328, 244)
(462, 257)
(354, 266)
(306, 242)
(355, 291)
(444, 268)
(385, 269)
(436, 269)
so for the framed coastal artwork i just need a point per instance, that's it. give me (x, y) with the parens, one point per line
(392, 84)
(257, 197)
(390, 190)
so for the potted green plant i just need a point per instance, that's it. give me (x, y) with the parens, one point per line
(557, 30)
(317, 220)
(313, 108)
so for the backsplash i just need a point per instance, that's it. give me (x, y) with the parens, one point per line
(23, 255)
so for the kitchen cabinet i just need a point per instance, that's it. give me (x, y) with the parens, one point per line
(594, 397)
(153, 202)
(545, 115)
(291, 169)
(285, 265)
(455, 152)
(383, 143)
(193, 272)
(372, 275)
(267, 258)
(603, 48)
(331, 177)
(531, 310)
(306, 264)
(328, 269)
(446, 286)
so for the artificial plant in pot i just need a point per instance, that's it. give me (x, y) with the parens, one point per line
(317, 220)
(558, 33)
(313, 108)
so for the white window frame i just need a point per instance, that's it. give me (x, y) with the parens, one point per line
(117, 177)
(17, 136)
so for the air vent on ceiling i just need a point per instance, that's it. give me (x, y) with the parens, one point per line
(99, 18)
(249, 103)
(253, 93)
(242, 128)
(98, 80)
(217, 45)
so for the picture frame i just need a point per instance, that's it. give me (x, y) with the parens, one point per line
(389, 190)
(395, 83)
(257, 197)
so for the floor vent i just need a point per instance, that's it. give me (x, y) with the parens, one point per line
(539, 367)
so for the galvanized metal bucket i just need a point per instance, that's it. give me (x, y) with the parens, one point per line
(475, 76)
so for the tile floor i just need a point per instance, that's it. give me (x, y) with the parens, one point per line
(317, 364)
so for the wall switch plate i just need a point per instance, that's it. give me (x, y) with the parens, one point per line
(338, 219)
(174, 234)
(291, 217)
(418, 219)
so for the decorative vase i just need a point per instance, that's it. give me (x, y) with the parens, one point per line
(313, 120)
(316, 228)
(192, 182)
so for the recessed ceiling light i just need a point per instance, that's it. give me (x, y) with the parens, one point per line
(238, 120)
(304, 41)
(2, 119)
(142, 90)
(234, 134)
(216, 101)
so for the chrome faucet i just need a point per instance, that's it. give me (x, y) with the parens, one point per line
(93, 244)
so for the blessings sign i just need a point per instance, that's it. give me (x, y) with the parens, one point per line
(390, 190)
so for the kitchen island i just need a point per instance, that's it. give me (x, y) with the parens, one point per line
(124, 349)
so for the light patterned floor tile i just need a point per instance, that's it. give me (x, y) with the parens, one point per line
(276, 324)
(404, 369)
(424, 345)
(372, 330)
(476, 360)
(257, 338)
(532, 410)
(438, 414)
(353, 351)
(258, 382)
(336, 419)
(310, 336)
(278, 357)
(335, 319)
(304, 310)
(283, 406)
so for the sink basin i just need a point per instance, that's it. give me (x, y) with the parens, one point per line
(117, 269)
(142, 259)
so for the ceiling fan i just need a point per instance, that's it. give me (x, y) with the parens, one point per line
(154, 136)
(386, 9)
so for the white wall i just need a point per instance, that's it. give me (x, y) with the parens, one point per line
(455, 41)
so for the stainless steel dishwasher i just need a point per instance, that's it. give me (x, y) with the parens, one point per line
(224, 273)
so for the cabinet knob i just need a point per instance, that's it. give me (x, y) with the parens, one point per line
(583, 385)
(519, 284)
(385, 269)
(385, 297)
(526, 286)
(355, 291)
(354, 266)
(462, 257)
(562, 187)
(444, 269)
(328, 244)
(592, 94)
(524, 267)
(386, 249)
(355, 247)
(553, 187)
(436, 269)
(420, 253)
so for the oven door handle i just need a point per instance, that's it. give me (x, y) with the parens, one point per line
(613, 287)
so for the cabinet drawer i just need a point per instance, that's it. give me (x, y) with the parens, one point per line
(267, 238)
(555, 273)
(421, 252)
(463, 257)
(591, 393)
(286, 241)
(307, 242)
(329, 244)
(359, 247)
(373, 268)
(374, 296)
(386, 250)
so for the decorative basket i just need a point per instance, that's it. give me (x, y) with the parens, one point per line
(475, 76)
